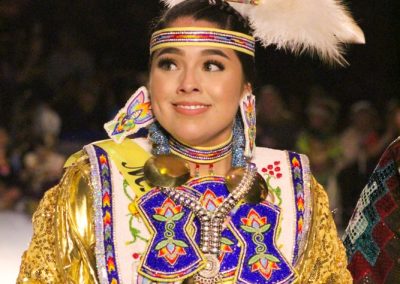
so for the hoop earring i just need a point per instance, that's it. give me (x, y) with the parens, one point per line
(135, 115)
(248, 112)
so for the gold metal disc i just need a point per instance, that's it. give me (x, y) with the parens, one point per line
(166, 171)
(259, 188)
(233, 178)
(258, 191)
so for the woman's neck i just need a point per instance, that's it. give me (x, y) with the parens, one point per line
(205, 161)
(219, 168)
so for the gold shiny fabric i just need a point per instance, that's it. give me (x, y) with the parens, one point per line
(62, 247)
(324, 259)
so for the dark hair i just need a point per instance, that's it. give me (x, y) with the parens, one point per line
(220, 13)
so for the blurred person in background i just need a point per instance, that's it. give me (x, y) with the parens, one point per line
(10, 189)
(68, 59)
(321, 143)
(276, 126)
(392, 120)
(42, 168)
(362, 142)
(84, 123)
(319, 139)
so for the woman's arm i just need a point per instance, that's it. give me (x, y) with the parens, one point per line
(62, 246)
(324, 258)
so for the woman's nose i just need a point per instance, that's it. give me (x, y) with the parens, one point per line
(188, 82)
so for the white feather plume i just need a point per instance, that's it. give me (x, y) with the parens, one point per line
(171, 3)
(315, 26)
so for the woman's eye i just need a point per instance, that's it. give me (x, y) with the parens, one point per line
(167, 64)
(213, 66)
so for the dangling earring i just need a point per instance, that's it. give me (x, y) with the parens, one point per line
(159, 140)
(248, 111)
(135, 115)
(238, 144)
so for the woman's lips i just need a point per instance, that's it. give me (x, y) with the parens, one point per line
(191, 108)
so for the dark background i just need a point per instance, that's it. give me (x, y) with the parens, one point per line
(116, 32)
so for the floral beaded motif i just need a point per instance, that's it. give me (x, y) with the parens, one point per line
(136, 114)
(271, 172)
(262, 261)
(256, 226)
(171, 253)
(169, 248)
(248, 253)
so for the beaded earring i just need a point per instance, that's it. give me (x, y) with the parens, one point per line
(159, 140)
(248, 111)
(135, 115)
(238, 158)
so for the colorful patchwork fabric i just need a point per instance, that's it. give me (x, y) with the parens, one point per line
(372, 237)
(248, 250)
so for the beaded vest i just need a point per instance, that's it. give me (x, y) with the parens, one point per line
(143, 235)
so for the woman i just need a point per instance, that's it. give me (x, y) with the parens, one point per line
(207, 207)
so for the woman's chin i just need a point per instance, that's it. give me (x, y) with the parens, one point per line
(192, 139)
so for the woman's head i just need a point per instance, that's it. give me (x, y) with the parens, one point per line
(196, 90)
(221, 14)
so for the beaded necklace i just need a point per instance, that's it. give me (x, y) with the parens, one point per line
(201, 155)
(211, 222)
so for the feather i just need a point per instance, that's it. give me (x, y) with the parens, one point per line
(171, 3)
(315, 26)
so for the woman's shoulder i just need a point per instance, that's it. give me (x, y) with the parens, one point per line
(110, 146)
(274, 151)
(283, 157)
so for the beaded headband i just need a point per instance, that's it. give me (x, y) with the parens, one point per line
(201, 36)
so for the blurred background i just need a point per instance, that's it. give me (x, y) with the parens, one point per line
(66, 67)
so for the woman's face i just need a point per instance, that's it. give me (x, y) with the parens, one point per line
(195, 91)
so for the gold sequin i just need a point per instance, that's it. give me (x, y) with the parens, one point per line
(62, 246)
(324, 259)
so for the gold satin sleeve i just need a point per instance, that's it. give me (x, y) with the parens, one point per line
(324, 258)
(62, 246)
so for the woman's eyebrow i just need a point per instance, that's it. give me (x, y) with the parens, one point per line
(214, 52)
(172, 50)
